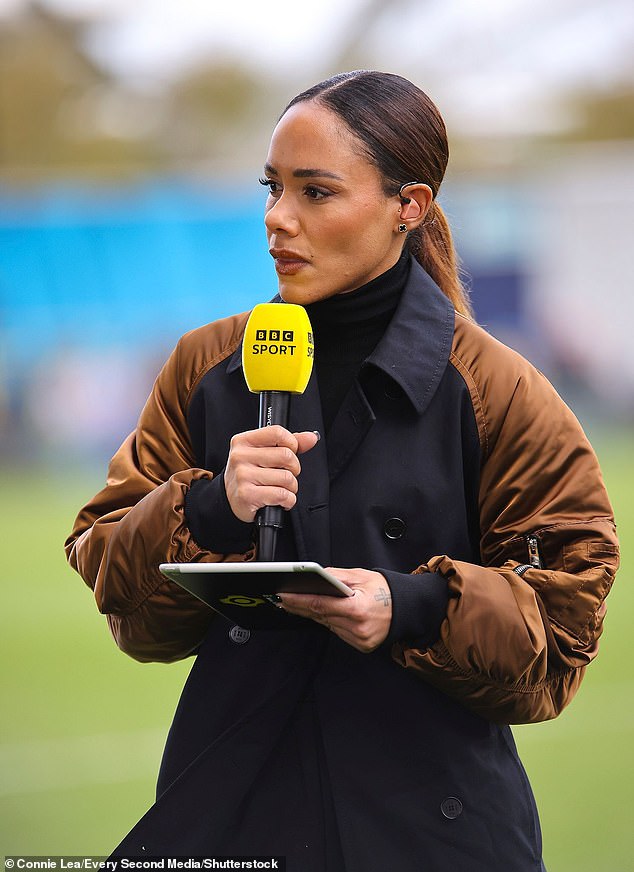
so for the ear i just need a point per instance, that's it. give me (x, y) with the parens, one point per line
(416, 200)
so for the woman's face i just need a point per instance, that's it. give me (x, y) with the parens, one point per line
(329, 224)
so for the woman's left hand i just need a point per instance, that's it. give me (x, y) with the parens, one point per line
(362, 620)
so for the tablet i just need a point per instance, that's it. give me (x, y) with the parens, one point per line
(244, 592)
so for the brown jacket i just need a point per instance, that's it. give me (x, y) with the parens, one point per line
(515, 642)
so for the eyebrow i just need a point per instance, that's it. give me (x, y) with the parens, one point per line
(305, 173)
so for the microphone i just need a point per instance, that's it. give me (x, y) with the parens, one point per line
(277, 360)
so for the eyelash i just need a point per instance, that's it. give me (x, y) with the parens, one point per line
(268, 183)
(309, 189)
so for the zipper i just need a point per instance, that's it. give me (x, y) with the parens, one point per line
(532, 544)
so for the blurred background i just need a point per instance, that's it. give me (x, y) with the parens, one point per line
(131, 140)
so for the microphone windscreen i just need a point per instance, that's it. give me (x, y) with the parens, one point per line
(278, 350)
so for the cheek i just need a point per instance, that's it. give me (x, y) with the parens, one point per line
(343, 235)
(367, 226)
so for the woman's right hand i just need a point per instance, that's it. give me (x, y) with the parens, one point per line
(262, 469)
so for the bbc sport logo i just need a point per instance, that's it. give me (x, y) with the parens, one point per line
(274, 335)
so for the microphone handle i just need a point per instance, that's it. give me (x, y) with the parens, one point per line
(274, 409)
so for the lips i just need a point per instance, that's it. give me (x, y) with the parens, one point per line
(287, 262)
(286, 255)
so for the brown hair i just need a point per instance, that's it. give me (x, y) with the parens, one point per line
(405, 138)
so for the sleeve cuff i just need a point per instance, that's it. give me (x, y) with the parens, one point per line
(419, 606)
(211, 521)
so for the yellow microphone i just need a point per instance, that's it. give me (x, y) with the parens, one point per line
(277, 359)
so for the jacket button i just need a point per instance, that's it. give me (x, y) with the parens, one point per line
(394, 528)
(451, 807)
(239, 635)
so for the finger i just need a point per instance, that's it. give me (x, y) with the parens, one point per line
(305, 604)
(275, 435)
(257, 497)
(340, 626)
(306, 440)
(343, 573)
(266, 458)
(319, 607)
(262, 476)
(356, 577)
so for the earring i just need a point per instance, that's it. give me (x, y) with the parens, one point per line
(402, 228)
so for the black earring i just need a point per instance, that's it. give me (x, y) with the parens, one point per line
(402, 228)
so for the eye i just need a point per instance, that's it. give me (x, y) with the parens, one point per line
(314, 193)
(273, 186)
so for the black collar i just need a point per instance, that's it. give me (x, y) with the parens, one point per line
(415, 348)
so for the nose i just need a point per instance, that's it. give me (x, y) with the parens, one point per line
(280, 217)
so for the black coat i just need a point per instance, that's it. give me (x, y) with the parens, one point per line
(296, 731)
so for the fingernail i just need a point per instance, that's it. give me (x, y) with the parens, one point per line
(273, 598)
(317, 434)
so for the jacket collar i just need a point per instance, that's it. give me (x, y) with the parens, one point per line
(416, 345)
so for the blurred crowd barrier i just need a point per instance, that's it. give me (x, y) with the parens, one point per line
(97, 284)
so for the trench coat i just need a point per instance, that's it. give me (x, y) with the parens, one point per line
(451, 458)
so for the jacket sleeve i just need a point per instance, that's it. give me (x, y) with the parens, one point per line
(516, 640)
(137, 522)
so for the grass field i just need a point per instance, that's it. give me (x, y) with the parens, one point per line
(83, 726)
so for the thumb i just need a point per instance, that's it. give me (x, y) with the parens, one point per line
(306, 440)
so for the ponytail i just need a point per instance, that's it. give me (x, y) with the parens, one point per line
(432, 246)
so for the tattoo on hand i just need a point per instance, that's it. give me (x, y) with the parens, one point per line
(382, 596)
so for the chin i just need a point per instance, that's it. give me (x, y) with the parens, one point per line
(302, 295)
(296, 294)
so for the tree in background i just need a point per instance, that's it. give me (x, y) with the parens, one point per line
(63, 115)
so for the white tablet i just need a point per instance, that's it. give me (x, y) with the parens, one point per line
(244, 593)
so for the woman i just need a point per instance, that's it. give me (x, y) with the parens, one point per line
(375, 736)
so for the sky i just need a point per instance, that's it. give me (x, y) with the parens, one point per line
(490, 63)
(153, 37)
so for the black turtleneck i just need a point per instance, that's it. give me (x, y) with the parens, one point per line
(347, 328)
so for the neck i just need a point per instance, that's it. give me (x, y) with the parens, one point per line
(375, 301)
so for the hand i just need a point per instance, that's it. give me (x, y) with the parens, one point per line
(262, 469)
(362, 620)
